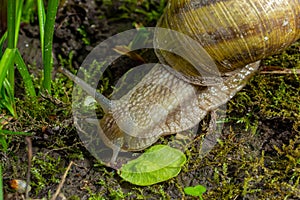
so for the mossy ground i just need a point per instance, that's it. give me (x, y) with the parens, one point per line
(257, 156)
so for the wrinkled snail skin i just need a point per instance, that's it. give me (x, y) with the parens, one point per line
(235, 34)
(131, 126)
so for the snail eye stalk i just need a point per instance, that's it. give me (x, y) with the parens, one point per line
(104, 102)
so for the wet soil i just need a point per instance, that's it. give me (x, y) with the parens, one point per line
(55, 140)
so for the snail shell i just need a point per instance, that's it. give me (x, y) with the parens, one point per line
(19, 185)
(235, 34)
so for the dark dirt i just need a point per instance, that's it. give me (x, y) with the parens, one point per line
(86, 177)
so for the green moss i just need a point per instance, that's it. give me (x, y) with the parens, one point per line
(269, 96)
(45, 171)
(148, 12)
(289, 58)
(238, 171)
(46, 108)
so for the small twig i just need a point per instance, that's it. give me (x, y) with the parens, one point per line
(29, 144)
(63, 179)
(278, 70)
(61, 148)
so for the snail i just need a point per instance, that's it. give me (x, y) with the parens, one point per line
(235, 36)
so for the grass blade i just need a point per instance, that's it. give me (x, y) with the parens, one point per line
(11, 16)
(42, 19)
(49, 30)
(1, 184)
(6, 89)
(25, 74)
(8, 100)
(2, 40)
(18, 15)
(6, 62)
(7, 132)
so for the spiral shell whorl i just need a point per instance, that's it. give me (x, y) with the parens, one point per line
(234, 33)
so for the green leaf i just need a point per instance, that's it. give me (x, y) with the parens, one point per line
(159, 163)
(198, 190)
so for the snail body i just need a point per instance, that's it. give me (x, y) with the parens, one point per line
(139, 124)
(235, 34)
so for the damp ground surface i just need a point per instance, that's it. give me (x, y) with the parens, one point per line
(256, 157)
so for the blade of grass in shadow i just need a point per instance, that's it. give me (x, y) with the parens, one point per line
(48, 39)
(3, 16)
(2, 40)
(18, 15)
(1, 184)
(24, 73)
(28, 11)
(11, 16)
